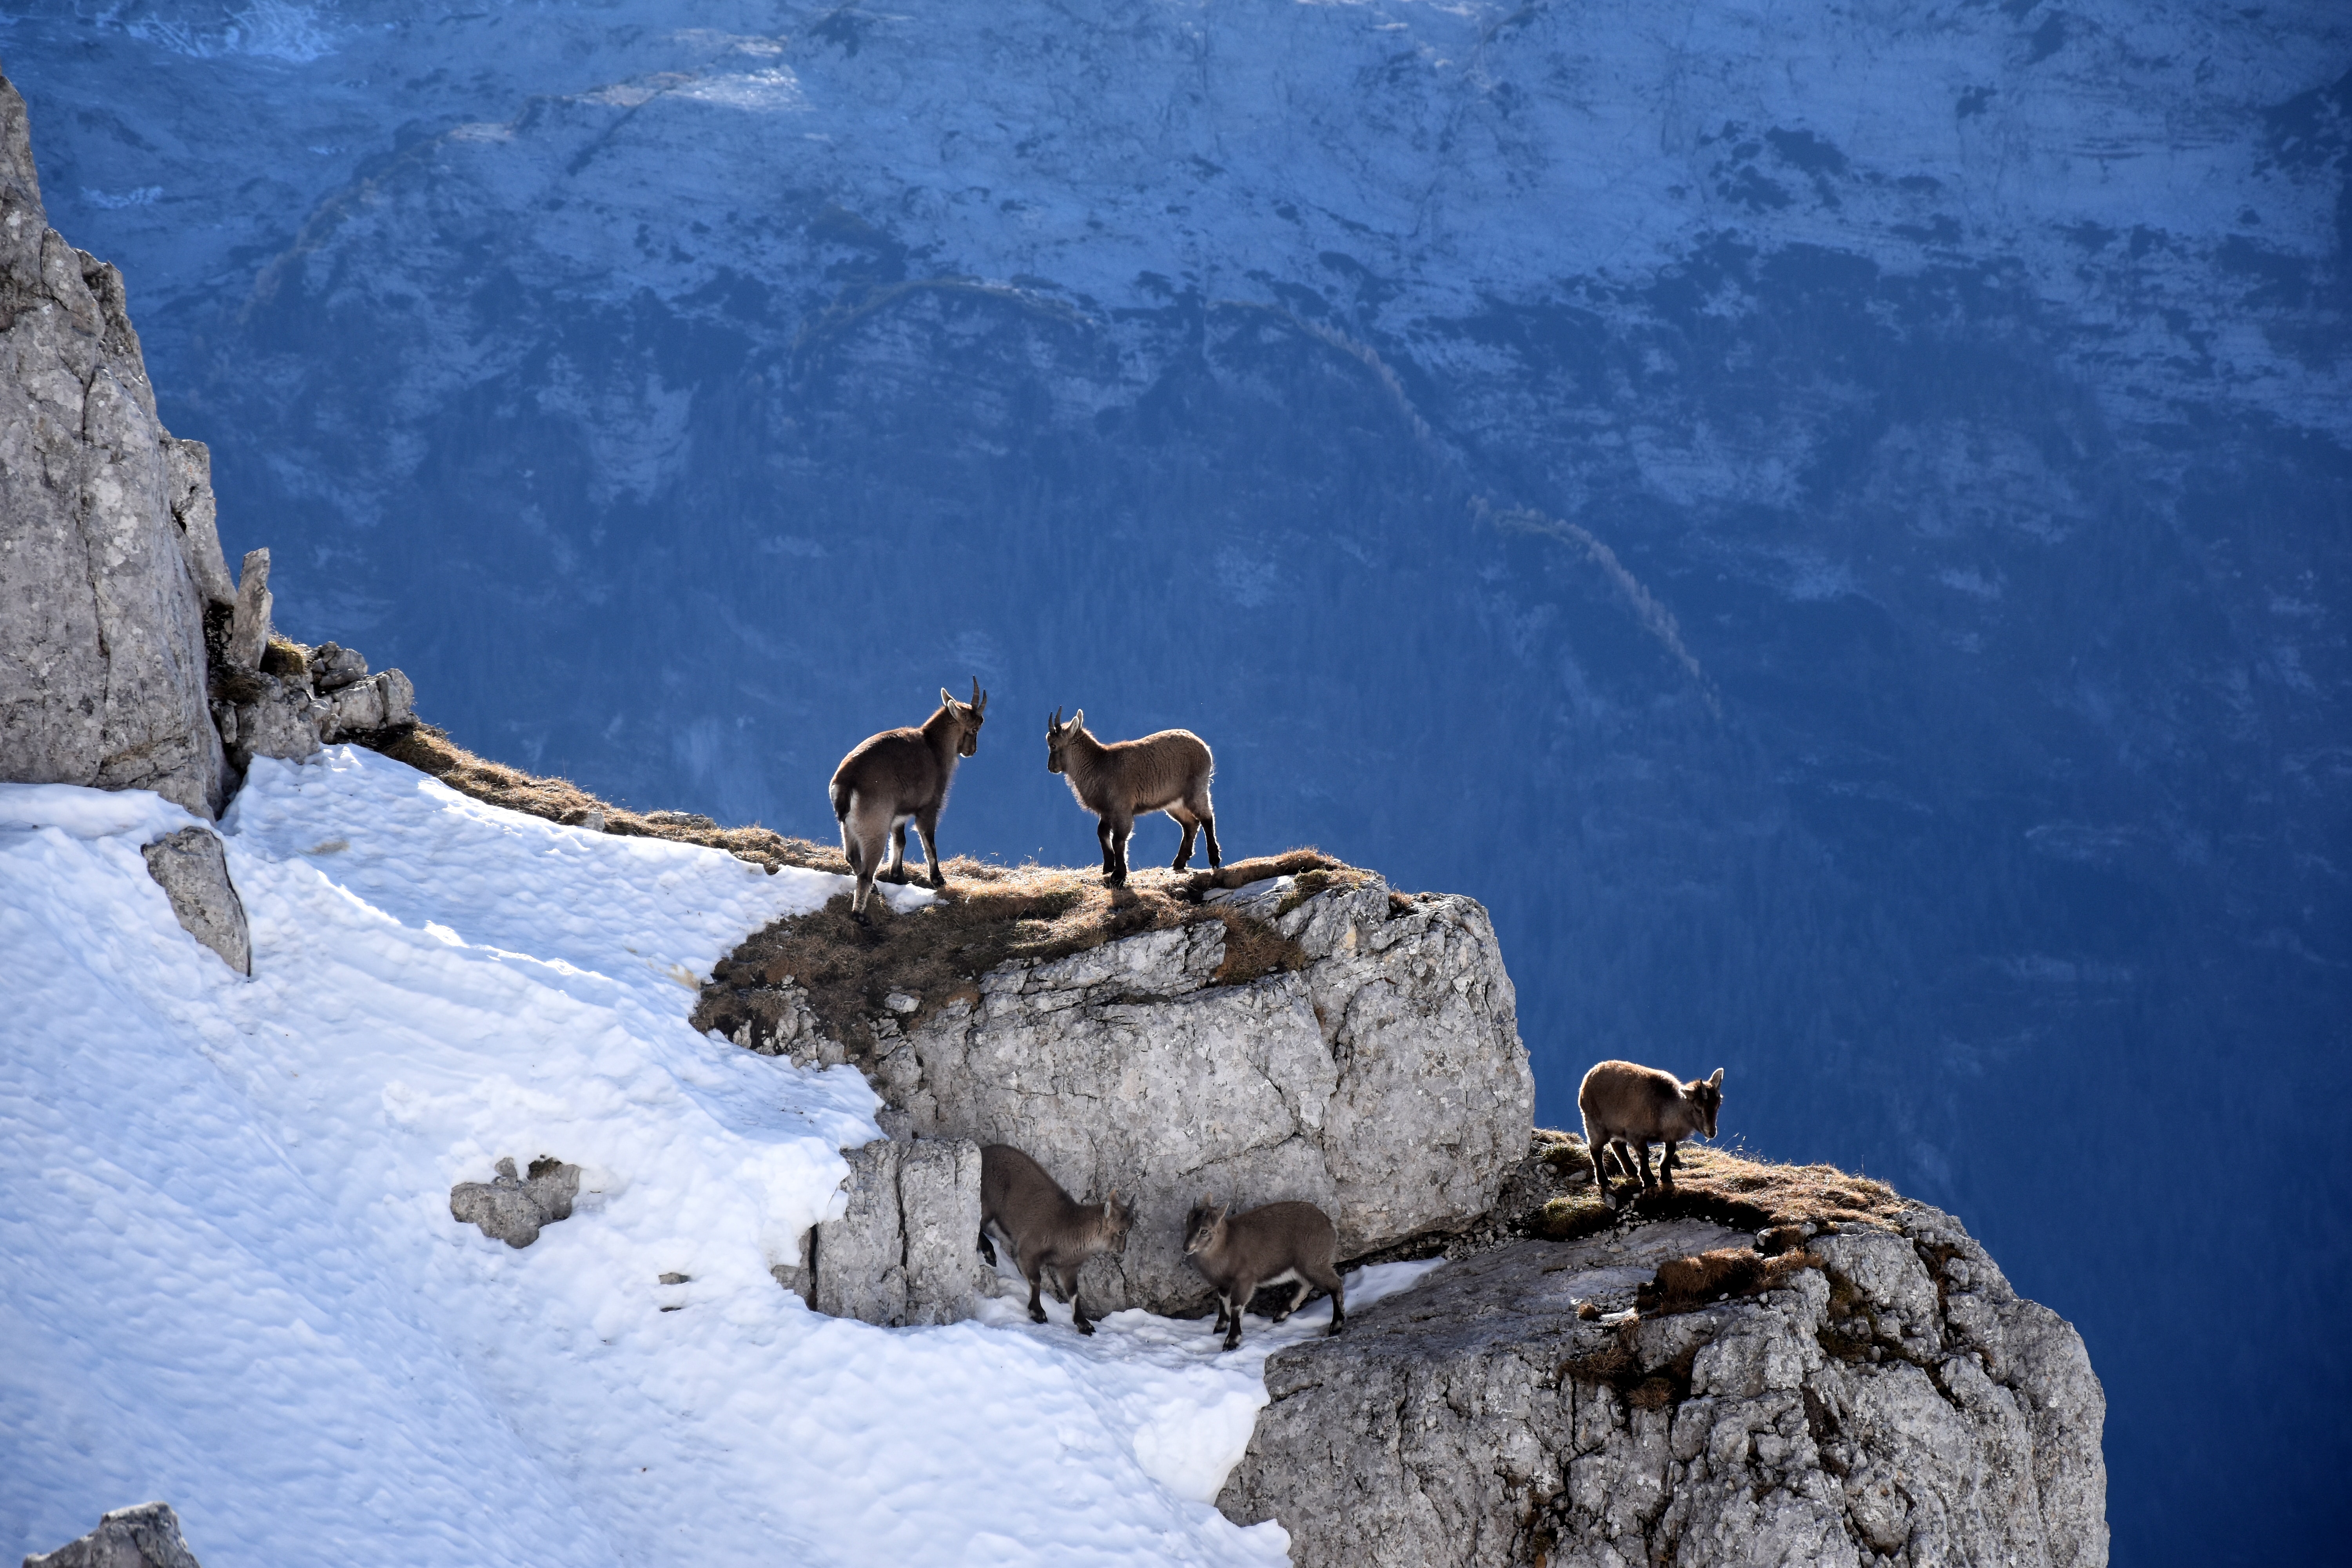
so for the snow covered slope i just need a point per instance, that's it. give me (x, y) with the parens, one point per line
(234, 1281)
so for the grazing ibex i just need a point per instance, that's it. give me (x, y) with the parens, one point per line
(1050, 1232)
(896, 777)
(1168, 771)
(1628, 1105)
(1277, 1244)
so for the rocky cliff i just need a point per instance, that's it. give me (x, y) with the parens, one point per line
(1368, 1061)
(109, 560)
(129, 659)
(1663, 1392)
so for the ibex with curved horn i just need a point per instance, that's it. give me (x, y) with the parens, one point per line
(900, 776)
(1168, 771)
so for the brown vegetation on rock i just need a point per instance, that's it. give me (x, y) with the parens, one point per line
(1716, 1184)
(987, 916)
(429, 750)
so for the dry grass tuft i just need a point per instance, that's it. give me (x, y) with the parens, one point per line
(1686, 1284)
(429, 750)
(987, 916)
(1718, 1185)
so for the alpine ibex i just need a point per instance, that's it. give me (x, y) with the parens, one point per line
(1277, 1244)
(900, 776)
(1626, 1105)
(1168, 771)
(1050, 1232)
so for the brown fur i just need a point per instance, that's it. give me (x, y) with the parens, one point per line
(1633, 1107)
(1168, 771)
(1278, 1243)
(1051, 1234)
(1686, 1284)
(900, 776)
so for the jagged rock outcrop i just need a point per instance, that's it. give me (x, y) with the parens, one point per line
(147, 1536)
(903, 1251)
(1891, 1400)
(514, 1208)
(107, 553)
(193, 871)
(1381, 1079)
(127, 658)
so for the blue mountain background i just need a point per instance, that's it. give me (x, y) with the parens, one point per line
(1835, 524)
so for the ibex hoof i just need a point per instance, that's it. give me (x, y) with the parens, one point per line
(1233, 1342)
(1036, 1314)
(1082, 1325)
(1333, 1331)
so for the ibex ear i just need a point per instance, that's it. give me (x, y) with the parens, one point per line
(947, 698)
(1077, 719)
(1715, 1080)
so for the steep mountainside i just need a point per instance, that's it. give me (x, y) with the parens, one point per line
(1830, 523)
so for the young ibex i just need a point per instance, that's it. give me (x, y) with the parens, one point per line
(1168, 771)
(1050, 1232)
(1277, 1244)
(1637, 1106)
(896, 777)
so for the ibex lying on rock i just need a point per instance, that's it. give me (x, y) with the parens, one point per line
(1277, 1244)
(896, 777)
(1168, 771)
(1637, 1106)
(1049, 1231)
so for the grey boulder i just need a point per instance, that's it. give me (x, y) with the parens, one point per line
(905, 1251)
(514, 1208)
(147, 1536)
(192, 868)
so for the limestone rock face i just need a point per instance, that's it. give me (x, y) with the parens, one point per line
(193, 871)
(1381, 1079)
(905, 1250)
(1898, 1404)
(147, 1536)
(514, 1208)
(108, 549)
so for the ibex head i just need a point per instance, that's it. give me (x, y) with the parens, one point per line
(1204, 1227)
(1117, 1219)
(968, 716)
(1706, 1098)
(1057, 737)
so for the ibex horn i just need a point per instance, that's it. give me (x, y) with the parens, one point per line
(979, 698)
(1056, 721)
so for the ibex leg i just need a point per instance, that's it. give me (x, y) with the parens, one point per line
(897, 872)
(866, 828)
(1121, 828)
(1641, 1149)
(928, 825)
(1209, 829)
(1037, 1307)
(1190, 824)
(1666, 1164)
(1102, 836)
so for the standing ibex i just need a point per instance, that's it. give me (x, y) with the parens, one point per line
(1625, 1104)
(1275, 1245)
(1051, 1235)
(1168, 771)
(896, 777)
